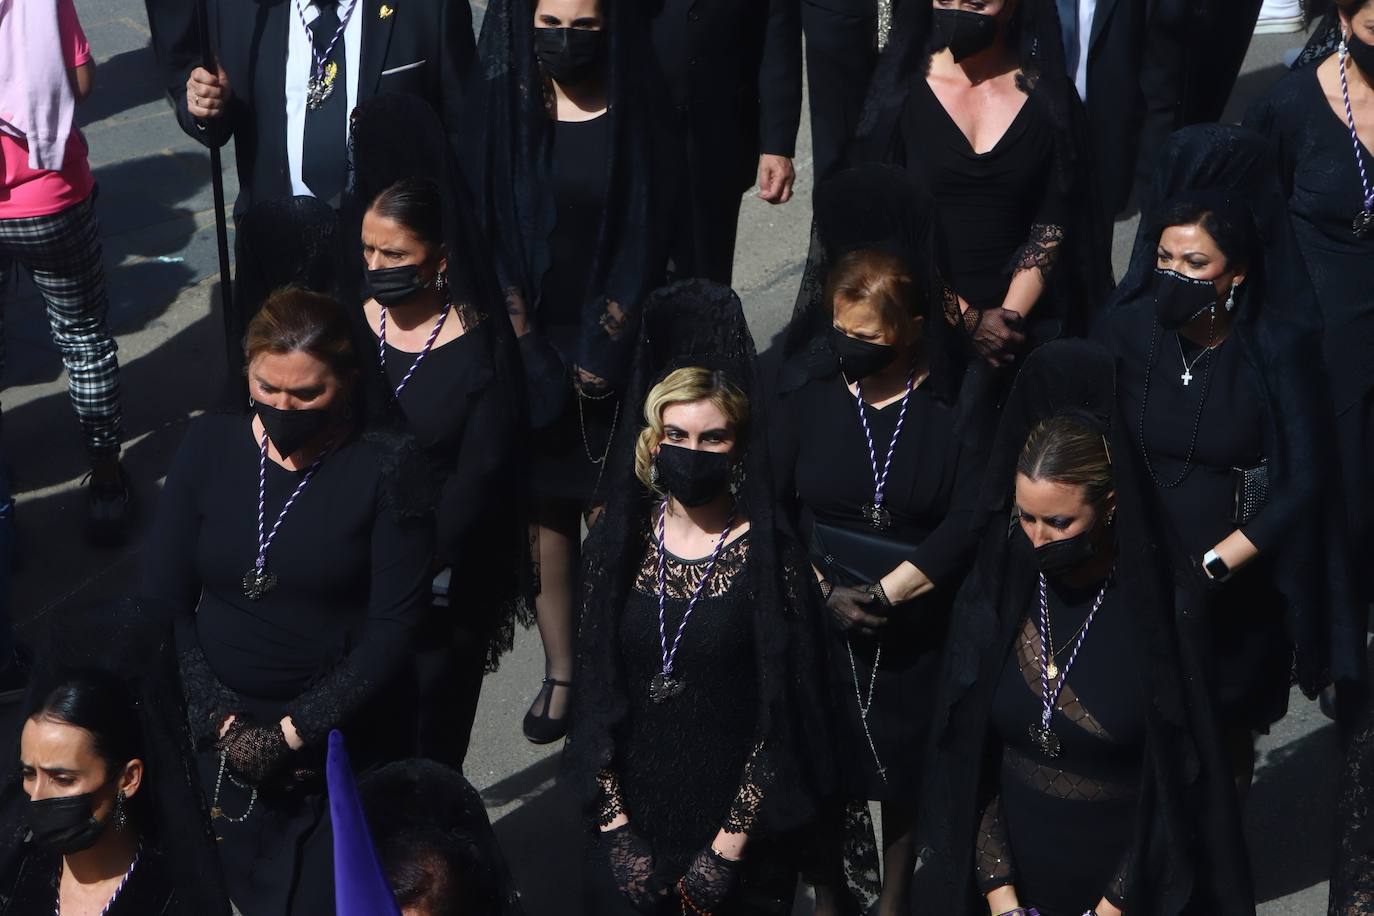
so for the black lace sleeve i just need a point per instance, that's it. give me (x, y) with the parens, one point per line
(610, 804)
(1041, 251)
(993, 866)
(208, 701)
(753, 786)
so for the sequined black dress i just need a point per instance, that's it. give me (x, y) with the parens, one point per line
(686, 767)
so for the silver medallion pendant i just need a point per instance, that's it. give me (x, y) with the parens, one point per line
(665, 687)
(1046, 740)
(257, 582)
(877, 516)
(1363, 223)
(320, 86)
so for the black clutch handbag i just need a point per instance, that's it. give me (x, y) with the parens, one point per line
(1251, 492)
(851, 558)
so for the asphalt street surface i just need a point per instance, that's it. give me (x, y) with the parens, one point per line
(158, 225)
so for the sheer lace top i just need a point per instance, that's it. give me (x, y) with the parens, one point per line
(1099, 719)
(691, 765)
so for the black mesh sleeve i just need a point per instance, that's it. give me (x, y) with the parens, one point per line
(993, 866)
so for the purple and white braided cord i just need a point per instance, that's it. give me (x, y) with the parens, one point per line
(265, 541)
(1354, 135)
(1048, 694)
(429, 344)
(670, 654)
(880, 477)
(319, 61)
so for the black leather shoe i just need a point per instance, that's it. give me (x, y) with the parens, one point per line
(109, 510)
(543, 728)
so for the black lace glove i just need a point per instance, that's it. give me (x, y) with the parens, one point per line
(709, 880)
(855, 609)
(997, 335)
(255, 752)
(631, 864)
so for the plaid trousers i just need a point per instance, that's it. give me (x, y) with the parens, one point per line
(63, 255)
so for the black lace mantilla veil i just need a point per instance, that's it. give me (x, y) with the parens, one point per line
(399, 136)
(1188, 853)
(1279, 326)
(509, 165)
(885, 208)
(131, 643)
(1082, 276)
(699, 323)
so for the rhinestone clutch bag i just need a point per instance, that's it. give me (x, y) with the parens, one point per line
(1251, 492)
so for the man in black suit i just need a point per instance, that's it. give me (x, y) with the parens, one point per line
(733, 73)
(1104, 44)
(290, 139)
(841, 51)
(289, 74)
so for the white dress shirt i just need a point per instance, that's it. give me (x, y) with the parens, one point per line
(300, 63)
(1086, 9)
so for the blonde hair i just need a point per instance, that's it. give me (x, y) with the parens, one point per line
(686, 386)
(1066, 449)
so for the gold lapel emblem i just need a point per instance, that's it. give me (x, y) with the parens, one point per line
(385, 12)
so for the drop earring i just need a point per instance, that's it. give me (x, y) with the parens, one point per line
(736, 479)
(653, 471)
(1231, 298)
(121, 817)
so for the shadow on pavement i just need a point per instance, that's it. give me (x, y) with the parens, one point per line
(542, 840)
(1289, 815)
(125, 81)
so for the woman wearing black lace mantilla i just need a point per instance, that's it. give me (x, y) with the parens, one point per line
(879, 441)
(1074, 771)
(1217, 345)
(973, 96)
(697, 640)
(573, 176)
(292, 548)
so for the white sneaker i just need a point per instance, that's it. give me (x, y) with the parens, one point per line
(1280, 16)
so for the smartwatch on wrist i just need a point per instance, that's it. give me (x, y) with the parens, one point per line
(1215, 567)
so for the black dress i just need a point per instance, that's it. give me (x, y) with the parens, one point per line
(150, 890)
(325, 646)
(683, 769)
(994, 208)
(467, 430)
(1319, 173)
(1060, 829)
(1248, 653)
(567, 449)
(824, 466)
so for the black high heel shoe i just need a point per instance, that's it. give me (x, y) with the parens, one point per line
(543, 728)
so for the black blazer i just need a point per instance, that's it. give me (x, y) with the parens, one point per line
(733, 72)
(250, 38)
(1116, 104)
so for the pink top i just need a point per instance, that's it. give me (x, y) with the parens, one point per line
(40, 192)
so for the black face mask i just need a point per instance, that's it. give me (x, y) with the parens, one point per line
(1362, 54)
(1063, 555)
(965, 33)
(691, 476)
(289, 430)
(1180, 299)
(394, 285)
(860, 358)
(570, 56)
(65, 825)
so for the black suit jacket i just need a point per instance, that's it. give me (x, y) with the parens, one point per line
(733, 72)
(1115, 101)
(250, 40)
